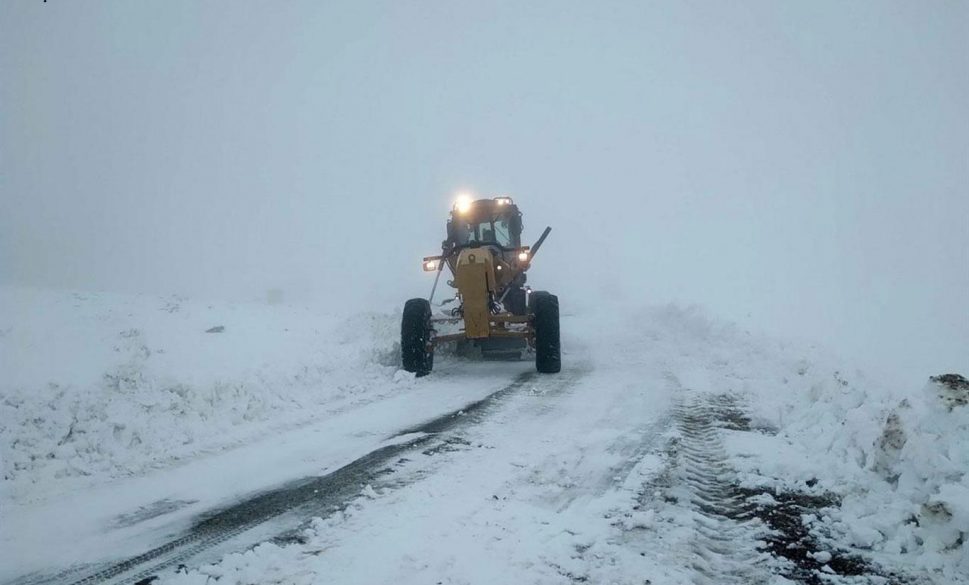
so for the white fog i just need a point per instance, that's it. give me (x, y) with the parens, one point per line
(797, 169)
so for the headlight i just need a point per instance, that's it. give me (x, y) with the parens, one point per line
(463, 203)
(431, 265)
(523, 256)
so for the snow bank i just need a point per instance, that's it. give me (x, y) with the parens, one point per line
(901, 460)
(104, 385)
(899, 457)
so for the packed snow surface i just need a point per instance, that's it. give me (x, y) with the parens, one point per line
(113, 405)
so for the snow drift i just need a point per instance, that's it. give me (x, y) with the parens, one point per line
(102, 385)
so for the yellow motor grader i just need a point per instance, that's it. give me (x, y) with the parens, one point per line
(495, 311)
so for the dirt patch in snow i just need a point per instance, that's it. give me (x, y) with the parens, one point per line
(793, 521)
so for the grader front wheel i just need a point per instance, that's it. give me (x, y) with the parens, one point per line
(548, 350)
(415, 337)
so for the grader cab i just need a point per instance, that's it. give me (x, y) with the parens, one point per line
(493, 309)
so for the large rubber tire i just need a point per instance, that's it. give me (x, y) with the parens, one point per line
(548, 350)
(415, 336)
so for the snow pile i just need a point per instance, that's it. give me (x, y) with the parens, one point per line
(899, 461)
(105, 385)
(898, 458)
(903, 464)
(924, 451)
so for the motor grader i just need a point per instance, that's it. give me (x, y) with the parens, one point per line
(492, 309)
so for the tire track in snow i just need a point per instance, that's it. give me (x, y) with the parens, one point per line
(724, 547)
(630, 449)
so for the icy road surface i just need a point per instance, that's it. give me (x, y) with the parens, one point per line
(671, 449)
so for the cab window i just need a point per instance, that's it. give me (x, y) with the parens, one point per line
(503, 233)
(485, 232)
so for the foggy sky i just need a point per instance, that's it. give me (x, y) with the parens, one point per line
(798, 168)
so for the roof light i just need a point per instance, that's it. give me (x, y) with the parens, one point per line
(463, 203)
(503, 200)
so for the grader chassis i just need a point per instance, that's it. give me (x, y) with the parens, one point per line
(496, 312)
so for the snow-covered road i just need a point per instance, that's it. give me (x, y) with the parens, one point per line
(125, 517)
(536, 491)
(536, 470)
(671, 449)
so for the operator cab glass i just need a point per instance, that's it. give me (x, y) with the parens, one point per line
(486, 221)
(497, 231)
